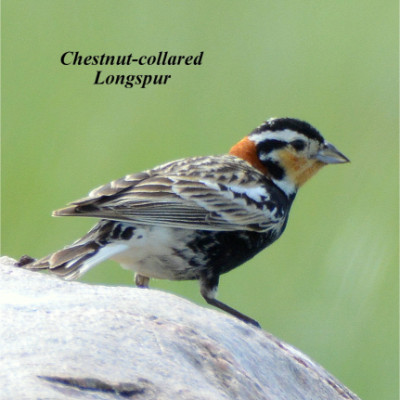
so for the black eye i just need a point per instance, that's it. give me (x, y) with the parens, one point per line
(298, 145)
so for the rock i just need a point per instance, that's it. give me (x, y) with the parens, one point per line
(64, 340)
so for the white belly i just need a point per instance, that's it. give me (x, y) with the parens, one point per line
(158, 252)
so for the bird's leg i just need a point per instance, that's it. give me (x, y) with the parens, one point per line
(142, 281)
(208, 289)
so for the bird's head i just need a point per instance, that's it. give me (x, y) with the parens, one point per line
(288, 151)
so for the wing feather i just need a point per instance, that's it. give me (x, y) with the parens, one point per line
(186, 194)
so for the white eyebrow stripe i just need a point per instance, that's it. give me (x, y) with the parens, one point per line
(286, 135)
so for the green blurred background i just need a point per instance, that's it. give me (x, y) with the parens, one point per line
(329, 286)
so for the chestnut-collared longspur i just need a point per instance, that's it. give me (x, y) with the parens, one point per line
(199, 217)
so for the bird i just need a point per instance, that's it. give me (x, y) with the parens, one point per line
(200, 217)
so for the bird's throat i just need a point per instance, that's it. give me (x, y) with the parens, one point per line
(299, 169)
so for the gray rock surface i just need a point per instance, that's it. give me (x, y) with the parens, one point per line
(69, 340)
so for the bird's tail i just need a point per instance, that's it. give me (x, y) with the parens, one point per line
(74, 260)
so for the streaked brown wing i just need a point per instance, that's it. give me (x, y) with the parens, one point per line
(190, 200)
